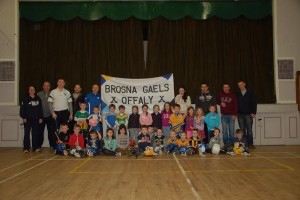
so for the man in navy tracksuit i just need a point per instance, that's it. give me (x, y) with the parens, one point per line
(93, 99)
(247, 107)
(31, 112)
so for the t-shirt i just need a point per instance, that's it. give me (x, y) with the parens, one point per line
(166, 117)
(159, 140)
(144, 138)
(60, 99)
(181, 143)
(122, 119)
(81, 115)
(176, 121)
(64, 137)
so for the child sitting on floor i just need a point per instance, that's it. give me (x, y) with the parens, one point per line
(159, 141)
(144, 138)
(94, 143)
(110, 144)
(216, 144)
(76, 142)
(62, 143)
(182, 144)
(171, 143)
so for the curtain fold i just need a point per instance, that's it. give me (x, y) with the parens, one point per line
(214, 51)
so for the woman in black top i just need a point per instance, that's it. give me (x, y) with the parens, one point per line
(31, 112)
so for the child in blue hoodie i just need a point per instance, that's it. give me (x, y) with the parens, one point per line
(212, 120)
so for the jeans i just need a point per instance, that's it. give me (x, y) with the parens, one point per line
(245, 123)
(228, 128)
(31, 126)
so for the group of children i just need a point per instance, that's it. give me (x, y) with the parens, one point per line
(168, 131)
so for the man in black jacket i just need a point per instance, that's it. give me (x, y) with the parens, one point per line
(247, 107)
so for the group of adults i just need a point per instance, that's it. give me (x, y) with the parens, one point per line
(51, 108)
(241, 106)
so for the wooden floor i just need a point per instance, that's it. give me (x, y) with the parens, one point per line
(272, 172)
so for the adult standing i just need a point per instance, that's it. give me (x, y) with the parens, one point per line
(247, 108)
(31, 112)
(60, 104)
(47, 117)
(228, 103)
(205, 98)
(183, 100)
(93, 99)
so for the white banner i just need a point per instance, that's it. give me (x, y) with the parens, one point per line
(129, 92)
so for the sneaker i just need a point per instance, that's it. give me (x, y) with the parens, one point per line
(183, 154)
(65, 152)
(118, 154)
(38, 150)
(90, 154)
(77, 155)
(231, 153)
(246, 154)
(26, 151)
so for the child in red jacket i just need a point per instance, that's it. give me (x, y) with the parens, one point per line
(76, 142)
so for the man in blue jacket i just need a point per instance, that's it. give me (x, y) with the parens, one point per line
(93, 99)
(247, 107)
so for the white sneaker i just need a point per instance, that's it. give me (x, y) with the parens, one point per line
(77, 155)
(246, 154)
(231, 153)
(65, 152)
(38, 150)
(25, 151)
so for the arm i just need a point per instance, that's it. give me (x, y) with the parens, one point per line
(22, 109)
(188, 101)
(253, 104)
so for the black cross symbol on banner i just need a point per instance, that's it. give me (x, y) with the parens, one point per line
(161, 99)
(113, 100)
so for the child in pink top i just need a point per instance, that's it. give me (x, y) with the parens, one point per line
(145, 117)
(189, 122)
(199, 122)
(166, 113)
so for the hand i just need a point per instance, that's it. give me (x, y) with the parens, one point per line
(24, 120)
(54, 116)
(234, 117)
(223, 104)
(59, 141)
(71, 117)
(252, 115)
(40, 121)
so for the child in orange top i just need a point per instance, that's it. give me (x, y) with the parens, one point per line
(183, 144)
(177, 120)
(171, 142)
(76, 142)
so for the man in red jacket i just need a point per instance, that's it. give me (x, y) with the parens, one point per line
(228, 103)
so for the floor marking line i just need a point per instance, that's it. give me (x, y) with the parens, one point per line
(278, 163)
(80, 165)
(19, 163)
(18, 174)
(194, 191)
(142, 172)
(297, 156)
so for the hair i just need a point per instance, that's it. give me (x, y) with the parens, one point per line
(112, 106)
(121, 107)
(110, 129)
(151, 126)
(64, 124)
(167, 103)
(241, 80)
(212, 106)
(156, 105)
(190, 107)
(76, 126)
(145, 105)
(183, 132)
(204, 83)
(158, 129)
(184, 97)
(239, 131)
(96, 107)
(217, 129)
(144, 126)
(82, 102)
(30, 87)
(122, 126)
(172, 131)
(194, 129)
(226, 83)
(60, 79)
(176, 105)
(135, 106)
(93, 132)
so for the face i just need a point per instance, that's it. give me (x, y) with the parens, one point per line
(112, 109)
(212, 109)
(109, 133)
(96, 111)
(144, 131)
(31, 91)
(61, 83)
(64, 129)
(177, 109)
(95, 88)
(199, 111)
(172, 134)
(145, 108)
(150, 129)
(183, 136)
(195, 133)
(156, 109)
(93, 136)
(204, 88)
(159, 132)
(216, 133)
(242, 85)
(191, 112)
(82, 106)
(122, 131)
(77, 88)
(226, 88)
(76, 130)
(181, 91)
(167, 106)
(46, 86)
(239, 135)
(122, 110)
(134, 110)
